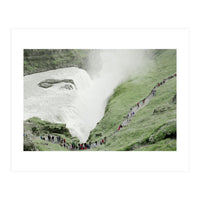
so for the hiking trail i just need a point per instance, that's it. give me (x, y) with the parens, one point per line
(133, 110)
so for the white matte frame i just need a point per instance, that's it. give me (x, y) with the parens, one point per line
(100, 39)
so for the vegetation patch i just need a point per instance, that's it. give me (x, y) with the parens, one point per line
(35, 128)
(40, 60)
(152, 126)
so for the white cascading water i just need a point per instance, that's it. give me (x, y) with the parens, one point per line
(81, 108)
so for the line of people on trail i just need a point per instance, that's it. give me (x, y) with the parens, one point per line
(83, 146)
(73, 145)
(51, 138)
(90, 145)
(153, 92)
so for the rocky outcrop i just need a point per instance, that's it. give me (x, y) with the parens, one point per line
(167, 130)
(98, 134)
(35, 125)
(68, 87)
(174, 99)
(161, 109)
(29, 146)
(50, 82)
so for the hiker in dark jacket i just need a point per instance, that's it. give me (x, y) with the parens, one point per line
(138, 105)
(120, 126)
(143, 100)
(153, 92)
(73, 145)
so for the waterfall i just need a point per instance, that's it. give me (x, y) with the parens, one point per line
(81, 107)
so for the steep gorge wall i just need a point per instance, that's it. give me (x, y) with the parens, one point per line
(40, 60)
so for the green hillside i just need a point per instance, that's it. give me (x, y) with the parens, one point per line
(154, 127)
(40, 60)
(35, 128)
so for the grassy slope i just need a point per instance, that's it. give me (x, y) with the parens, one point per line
(40, 60)
(41, 145)
(45, 128)
(145, 123)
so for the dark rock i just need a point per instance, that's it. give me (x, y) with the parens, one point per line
(29, 146)
(98, 134)
(161, 109)
(49, 83)
(45, 85)
(68, 87)
(174, 99)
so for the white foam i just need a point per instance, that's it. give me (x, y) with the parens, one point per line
(82, 108)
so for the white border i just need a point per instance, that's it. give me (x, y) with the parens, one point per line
(100, 39)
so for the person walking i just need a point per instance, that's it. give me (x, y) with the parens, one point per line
(102, 141)
(120, 126)
(153, 92)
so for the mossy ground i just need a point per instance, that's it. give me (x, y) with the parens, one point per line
(34, 128)
(136, 135)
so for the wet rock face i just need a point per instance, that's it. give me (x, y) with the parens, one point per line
(68, 87)
(50, 82)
